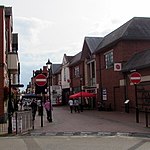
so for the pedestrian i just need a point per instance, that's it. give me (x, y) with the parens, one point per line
(70, 102)
(34, 108)
(20, 104)
(48, 108)
(25, 105)
(76, 105)
(39, 107)
(81, 104)
(16, 105)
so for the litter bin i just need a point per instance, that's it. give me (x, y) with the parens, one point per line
(127, 105)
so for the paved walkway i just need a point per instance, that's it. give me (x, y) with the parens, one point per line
(90, 121)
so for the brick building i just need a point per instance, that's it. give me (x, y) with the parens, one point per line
(105, 63)
(9, 60)
(83, 70)
(118, 47)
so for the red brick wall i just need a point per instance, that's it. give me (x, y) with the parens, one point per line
(9, 29)
(1, 61)
(109, 79)
(1, 91)
(126, 49)
(1, 34)
(75, 81)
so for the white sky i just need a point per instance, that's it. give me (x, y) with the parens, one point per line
(50, 28)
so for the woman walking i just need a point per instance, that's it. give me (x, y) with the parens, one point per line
(48, 108)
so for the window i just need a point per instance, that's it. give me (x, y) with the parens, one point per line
(76, 71)
(109, 59)
(93, 70)
(64, 74)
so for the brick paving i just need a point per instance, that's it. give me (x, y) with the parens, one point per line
(90, 122)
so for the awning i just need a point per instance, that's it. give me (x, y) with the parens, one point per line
(17, 85)
(82, 94)
(31, 96)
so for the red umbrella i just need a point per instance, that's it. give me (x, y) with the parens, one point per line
(82, 94)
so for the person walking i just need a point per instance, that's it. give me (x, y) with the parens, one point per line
(34, 108)
(39, 106)
(70, 102)
(76, 105)
(48, 108)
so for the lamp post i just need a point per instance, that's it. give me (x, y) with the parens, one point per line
(49, 66)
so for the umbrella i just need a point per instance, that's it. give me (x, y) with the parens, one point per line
(82, 94)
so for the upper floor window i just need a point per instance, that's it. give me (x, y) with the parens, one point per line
(93, 69)
(76, 71)
(64, 74)
(109, 59)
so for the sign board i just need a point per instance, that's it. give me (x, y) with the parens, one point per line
(40, 80)
(135, 77)
(104, 92)
(117, 66)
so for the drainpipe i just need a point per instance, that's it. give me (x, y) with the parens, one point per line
(100, 81)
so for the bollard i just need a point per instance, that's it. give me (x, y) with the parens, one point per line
(146, 117)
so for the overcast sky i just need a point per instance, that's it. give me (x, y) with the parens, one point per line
(50, 28)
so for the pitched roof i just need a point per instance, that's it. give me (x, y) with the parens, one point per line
(76, 59)
(68, 58)
(138, 61)
(138, 28)
(93, 42)
(56, 68)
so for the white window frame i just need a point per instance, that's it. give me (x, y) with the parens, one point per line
(65, 74)
(109, 60)
(76, 71)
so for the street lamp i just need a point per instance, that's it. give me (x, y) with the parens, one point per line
(49, 66)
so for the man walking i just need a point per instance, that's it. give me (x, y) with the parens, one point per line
(34, 108)
(76, 105)
(70, 102)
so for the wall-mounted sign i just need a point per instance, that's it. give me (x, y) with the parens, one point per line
(104, 94)
(117, 66)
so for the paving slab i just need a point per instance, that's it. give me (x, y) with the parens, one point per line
(90, 122)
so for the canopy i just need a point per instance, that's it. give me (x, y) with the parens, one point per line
(30, 96)
(82, 94)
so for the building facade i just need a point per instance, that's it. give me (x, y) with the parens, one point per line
(9, 60)
(102, 67)
(117, 48)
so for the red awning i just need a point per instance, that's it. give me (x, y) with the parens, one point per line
(82, 94)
